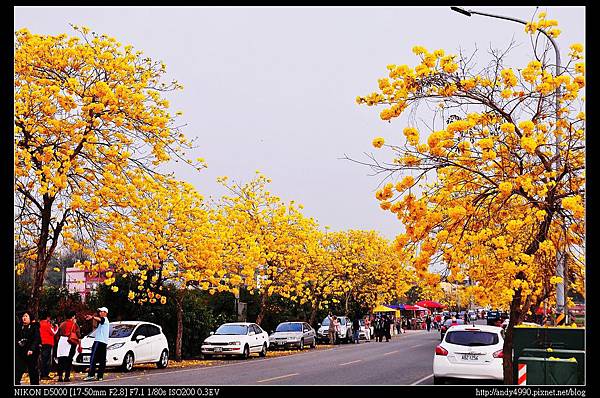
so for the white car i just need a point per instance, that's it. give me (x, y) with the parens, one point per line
(469, 352)
(238, 338)
(344, 332)
(129, 343)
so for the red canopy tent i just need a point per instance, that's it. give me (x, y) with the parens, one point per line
(430, 304)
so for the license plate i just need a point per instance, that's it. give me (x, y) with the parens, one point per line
(470, 357)
(85, 358)
(218, 349)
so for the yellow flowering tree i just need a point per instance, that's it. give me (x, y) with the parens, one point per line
(497, 190)
(165, 237)
(266, 241)
(87, 110)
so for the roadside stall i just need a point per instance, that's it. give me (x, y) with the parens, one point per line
(383, 309)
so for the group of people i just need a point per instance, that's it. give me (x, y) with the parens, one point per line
(38, 344)
(378, 326)
(382, 325)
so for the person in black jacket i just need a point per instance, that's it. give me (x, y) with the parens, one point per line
(27, 349)
(387, 324)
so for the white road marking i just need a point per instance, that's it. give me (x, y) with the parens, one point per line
(206, 367)
(422, 380)
(391, 352)
(278, 377)
(348, 363)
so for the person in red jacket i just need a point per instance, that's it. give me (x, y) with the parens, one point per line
(47, 332)
(65, 351)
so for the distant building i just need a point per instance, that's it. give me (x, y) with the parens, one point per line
(80, 281)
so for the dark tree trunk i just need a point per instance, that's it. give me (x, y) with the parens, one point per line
(263, 307)
(507, 349)
(42, 257)
(516, 306)
(313, 312)
(179, 338)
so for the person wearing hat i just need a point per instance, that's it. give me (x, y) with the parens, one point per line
(98, 355)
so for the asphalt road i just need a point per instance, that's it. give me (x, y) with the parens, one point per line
(405, 360)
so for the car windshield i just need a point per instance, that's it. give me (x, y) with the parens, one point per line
(342, 320)
(289, 327)
(471, 338)
(117, 331)
(232, 329)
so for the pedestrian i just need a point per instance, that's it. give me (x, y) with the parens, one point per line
(68, 342)
(428, 322)
(438, 321)
(336, 327)
(380, 328)
(98, 355)
(356, 329)
(387, 324)
(27, 348)
(331, 332)
(376, 328)
(47, 332)
(367, 328)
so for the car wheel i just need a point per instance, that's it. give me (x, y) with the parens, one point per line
(164, 360)
(128, 362)
(439, 380)
(246, 353)
(301, 345)
(263, 352)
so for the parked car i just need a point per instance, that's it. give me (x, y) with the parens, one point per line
(364, 333)
(446, 325)
(344, 333)
(495, 318)
(469, 352)
(472, 315)
(237, 338)
(129, 343)
(293, 334)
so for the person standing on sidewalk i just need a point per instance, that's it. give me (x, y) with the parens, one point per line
(331, 331)
(27, 349)
(98, 354)
(47, 332)
(387, 323)
(428, 322)
(356, 329)
(65, 349)
(368, 328)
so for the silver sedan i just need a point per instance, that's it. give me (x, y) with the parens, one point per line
(293, 334)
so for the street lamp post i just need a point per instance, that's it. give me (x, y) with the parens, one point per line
(561, 288)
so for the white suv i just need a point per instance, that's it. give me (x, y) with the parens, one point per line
(239, 338)
(344, 332)
(129, 343)
(469, 352)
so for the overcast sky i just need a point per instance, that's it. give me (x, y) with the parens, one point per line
(273, 89)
